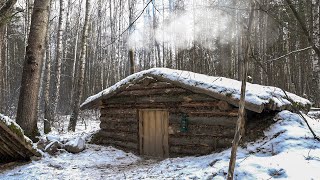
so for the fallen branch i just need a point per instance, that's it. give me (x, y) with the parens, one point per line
(302, 116)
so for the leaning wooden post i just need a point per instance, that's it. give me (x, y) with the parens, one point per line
(241, 118)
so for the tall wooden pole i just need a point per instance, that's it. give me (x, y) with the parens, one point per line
(241, 119)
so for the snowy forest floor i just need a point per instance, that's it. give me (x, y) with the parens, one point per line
(288, 151)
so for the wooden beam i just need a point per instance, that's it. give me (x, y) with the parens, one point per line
(119, 127)
(145, 92)
(120, 136)
(14, 146)
(213, 121)
(203, 130)
(157, 85)
(126, 145)
(164, 98)
(7, 150)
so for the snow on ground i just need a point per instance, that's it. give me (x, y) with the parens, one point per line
(288, 151)
(88, 123)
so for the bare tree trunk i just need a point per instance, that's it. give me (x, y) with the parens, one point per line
(28, 101)
(74, 67)
(241, 119)
(82, 62)
(2, 88)
(47, 112)
(132, 64)
(57, 80)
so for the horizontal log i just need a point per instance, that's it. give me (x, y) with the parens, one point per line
(208, 141)
(141, 106)
(120, 136)
(116, 119)
(119, 127)
(215, 121)
(198, 139)
(122, 144)
(223, 143)
(183, 97)
(191, 150)
(204, 130)
(210, 114)
(157, 85)
(205, 109)
(200, 104)
(118, 111)
(121, 115)
(151, 92)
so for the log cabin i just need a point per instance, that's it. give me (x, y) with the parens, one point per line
(163, 112)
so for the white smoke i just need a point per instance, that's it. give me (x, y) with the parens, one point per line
(200, 25)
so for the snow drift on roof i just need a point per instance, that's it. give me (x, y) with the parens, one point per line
(267, 97)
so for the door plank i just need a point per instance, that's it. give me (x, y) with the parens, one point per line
(158, 133)
(153, 131)
(165, 134)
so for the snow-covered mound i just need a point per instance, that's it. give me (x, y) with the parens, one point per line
(288, 151)
(266, 97)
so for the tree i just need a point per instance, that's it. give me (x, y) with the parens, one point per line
(241, 117)
(5, 13)
(78, 91)
(47, 110)
(28, 98)
(57, 79)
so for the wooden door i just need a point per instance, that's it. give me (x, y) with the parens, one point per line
(153, 132)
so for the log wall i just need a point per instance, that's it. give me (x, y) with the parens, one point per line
(211, 122)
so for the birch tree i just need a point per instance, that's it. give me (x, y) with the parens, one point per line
(78, 91)
(57, 75)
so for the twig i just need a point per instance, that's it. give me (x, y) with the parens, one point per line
(298, 50)
(155, 7)
(130, 25)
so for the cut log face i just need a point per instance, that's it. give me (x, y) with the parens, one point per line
(13, 144)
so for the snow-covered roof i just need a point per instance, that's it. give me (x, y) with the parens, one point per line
(258, 97)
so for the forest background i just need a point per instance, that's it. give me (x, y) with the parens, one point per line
(201, 36)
